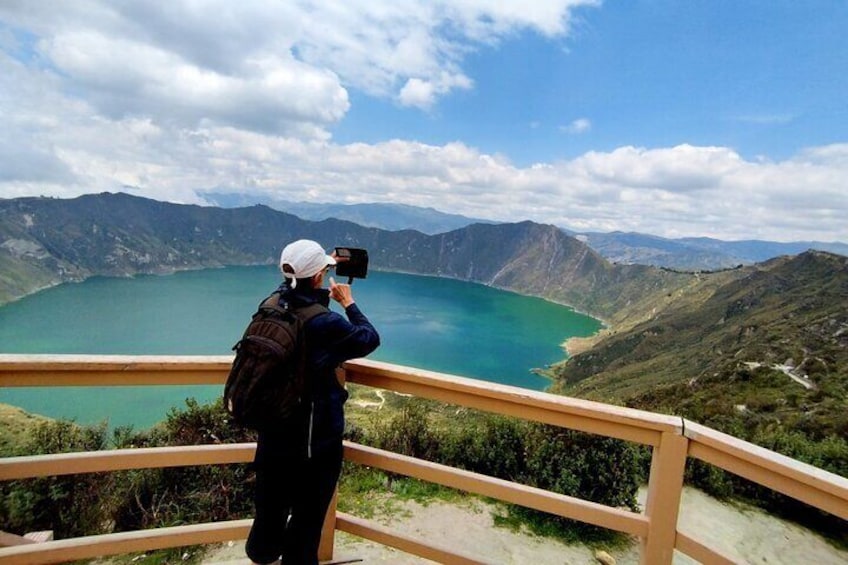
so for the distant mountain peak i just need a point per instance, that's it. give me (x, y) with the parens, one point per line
(383, 215)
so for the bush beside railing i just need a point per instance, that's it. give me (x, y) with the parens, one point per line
(672, 440)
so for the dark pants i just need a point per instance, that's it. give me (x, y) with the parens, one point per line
(292, 495)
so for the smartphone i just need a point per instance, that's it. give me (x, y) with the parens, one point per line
(351, 262)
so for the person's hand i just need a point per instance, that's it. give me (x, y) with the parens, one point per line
(341, 293)
(339, 259)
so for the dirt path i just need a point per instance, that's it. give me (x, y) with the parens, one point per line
(748, 534)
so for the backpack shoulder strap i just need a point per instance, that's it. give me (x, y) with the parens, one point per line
(273, 303)
(306, 313)
(303, 313)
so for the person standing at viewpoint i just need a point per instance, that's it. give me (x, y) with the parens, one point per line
(298, 464)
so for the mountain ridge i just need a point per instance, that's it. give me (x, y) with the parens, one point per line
(386, 216)
(696, 253)
(48, 241)
(686, 253)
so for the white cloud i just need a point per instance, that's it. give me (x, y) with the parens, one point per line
(417, 92)
(578, 126)
(422, 94)
(120, 77)
(676, 191)
(173, 97)
(678, 169)
(235, 63)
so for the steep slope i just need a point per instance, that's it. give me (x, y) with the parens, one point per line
(538, 260)
(774, 342)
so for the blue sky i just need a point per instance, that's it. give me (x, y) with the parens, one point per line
(688, 118)
(762, 79)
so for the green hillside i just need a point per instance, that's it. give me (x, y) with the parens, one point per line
(764, 358)
(788, 311)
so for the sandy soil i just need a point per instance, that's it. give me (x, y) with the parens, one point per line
(747, 534)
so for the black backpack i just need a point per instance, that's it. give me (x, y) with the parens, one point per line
(267, 381)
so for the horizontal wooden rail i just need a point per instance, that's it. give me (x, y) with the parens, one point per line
(530, 497)
(574, 413)
(428, 549)
(175, 456)
(89, 547)
(124, 459)
(809, 484)
(124, 370)
(18, 370)
(119, 370)
(126, 542)
(699, 552)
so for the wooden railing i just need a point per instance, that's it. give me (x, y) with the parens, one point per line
(672, 440)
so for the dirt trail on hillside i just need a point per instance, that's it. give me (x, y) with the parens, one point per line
(747, 534)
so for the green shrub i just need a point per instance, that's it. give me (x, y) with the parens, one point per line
(487, 444)
(582, 465)
(409, 433)
(69, 505)
(94, 503)
(184, 495)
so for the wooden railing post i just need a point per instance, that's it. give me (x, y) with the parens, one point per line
(328, 532)
(665, 486)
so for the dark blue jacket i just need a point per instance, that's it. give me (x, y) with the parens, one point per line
(331, 339)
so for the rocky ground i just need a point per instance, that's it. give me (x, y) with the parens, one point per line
(748, 534)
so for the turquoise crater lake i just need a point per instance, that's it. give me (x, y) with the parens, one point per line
(432, 323)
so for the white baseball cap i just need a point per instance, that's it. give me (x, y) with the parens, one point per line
(305, 258)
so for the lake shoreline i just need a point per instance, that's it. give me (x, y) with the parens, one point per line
(436, 323)
(173, 271)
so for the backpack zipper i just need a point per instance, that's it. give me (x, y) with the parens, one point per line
(309, 437)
